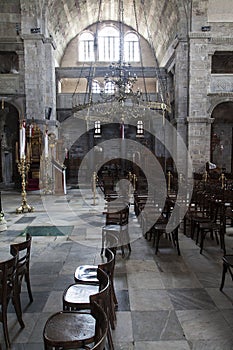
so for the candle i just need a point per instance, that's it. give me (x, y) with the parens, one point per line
(28, 152)
(46, 144)
(22, 139)
(16, 152)
(30, 130)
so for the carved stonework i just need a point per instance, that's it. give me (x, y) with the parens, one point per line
(9, 83)
(221, 84)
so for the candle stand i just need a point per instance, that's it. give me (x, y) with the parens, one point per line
(47, 178)
(94, 181)
(23, 168)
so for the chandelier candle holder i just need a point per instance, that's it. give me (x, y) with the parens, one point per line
(23, 163)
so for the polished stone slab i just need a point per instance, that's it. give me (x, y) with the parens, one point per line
(204, 325)
(25, 220)
(191, 299)
(142, 280)
(159, 325)
(179, 279)
(162, 345)
(149, 299)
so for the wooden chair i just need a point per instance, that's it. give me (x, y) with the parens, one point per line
(87, 274)
(7, 293)
(76, 297)
(214, 224)
(159, 229)
(77, 330)
(117, 223)
(227, 267)
(23, 250)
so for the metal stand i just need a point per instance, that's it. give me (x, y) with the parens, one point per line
(94, 180)
(23, 168)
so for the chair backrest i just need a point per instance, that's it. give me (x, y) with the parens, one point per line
(117, 217)
(101, 327)
(23, 251)
(111, 241)
(108, 266)
(102, 298)
(7, 276)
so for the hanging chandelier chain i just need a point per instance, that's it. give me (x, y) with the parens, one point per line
(140, 49)
(161, 84)
(121, 41)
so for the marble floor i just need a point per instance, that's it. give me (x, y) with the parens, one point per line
(166, 301)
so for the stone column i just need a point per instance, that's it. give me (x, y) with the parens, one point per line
(199, 121)
(199, 129)
(50, 88)
(35, 76)
(181, 98)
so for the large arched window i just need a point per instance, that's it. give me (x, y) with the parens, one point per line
(108, 44)
(86, 47)
(131, 48)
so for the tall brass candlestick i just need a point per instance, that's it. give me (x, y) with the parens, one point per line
(205, 176)
(222, 178)
(94, 180)
(134, 181)
(23, 168)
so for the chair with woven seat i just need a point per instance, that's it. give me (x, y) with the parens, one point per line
(7, 293)
(77, 330)
(227, 267)
(76, 297)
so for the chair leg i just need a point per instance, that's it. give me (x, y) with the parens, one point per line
(17, 306)
(157, 241)
(224, 271)
(5, 329)
(176, 240)
(222, 240)
(102, 249)
(27, 279)
(202, 234)
(122, 251)
(110, 341)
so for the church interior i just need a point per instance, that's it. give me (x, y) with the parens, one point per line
(116, 174)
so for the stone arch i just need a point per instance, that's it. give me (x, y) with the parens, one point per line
(214, 102)
(222, 135)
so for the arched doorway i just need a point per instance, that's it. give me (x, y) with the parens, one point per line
(222, 136)
(9, 128)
